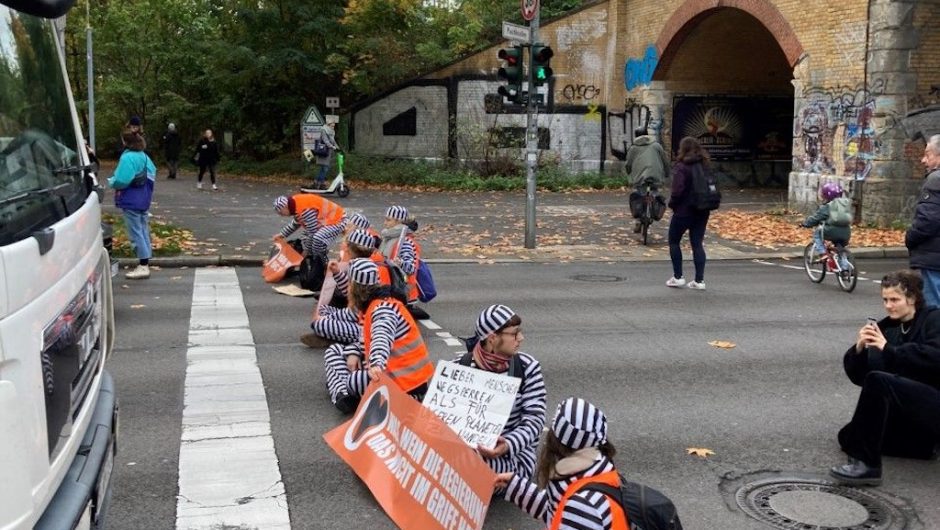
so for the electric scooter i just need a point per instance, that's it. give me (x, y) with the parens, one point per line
(338, 185)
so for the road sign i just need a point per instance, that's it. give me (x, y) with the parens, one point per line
(529, 9)
(313, 116)
(515, 32)
(332, 103)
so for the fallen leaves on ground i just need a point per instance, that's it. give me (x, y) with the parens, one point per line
(774, 231)
(700, 452)
(722, 344)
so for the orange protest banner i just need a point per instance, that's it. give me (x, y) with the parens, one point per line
(282, 257)
(423, 475)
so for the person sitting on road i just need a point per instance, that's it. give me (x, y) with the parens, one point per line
(322, 221)
(495, 348)
(835, 216)
(576, 451)
(897, 364)
(390, 342)
(647, 164)
(399, 246)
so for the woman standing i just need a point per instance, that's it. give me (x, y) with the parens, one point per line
(691, 158)
(897, 364)
(133, 182)
(207, 156)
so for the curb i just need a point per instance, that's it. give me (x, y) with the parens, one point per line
(257, 261)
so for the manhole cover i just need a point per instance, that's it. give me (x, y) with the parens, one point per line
(818, 505)
(600, 278)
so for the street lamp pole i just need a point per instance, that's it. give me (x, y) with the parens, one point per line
(89, 61)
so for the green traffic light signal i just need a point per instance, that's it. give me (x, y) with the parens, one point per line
(511, 72)
(541, 63)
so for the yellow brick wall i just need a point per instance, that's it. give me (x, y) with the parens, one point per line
(926, 58)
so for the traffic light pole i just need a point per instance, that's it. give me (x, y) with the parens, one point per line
(531, 140)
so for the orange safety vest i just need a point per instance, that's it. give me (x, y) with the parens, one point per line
(385, 277)
(328, 213)
(408, 361)
(611, 478)
(412, 279)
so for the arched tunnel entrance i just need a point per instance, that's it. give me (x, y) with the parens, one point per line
(730, 85)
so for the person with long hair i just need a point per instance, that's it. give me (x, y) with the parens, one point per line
(685, 217)
(896, 361)
(133, 182)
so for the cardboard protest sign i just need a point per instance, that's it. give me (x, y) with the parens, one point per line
(419, 471)
(327, 290)
(282, 258)
(476, 404)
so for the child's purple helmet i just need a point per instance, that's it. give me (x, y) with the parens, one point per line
(831, 190)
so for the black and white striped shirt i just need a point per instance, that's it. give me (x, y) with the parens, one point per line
(388, 325)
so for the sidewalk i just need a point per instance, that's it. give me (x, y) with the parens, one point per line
(234, 226)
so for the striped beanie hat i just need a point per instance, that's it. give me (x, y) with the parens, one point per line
(578, 424)
(364, 271)
(280, 203)
(398, 213)
(491, 319)
(359, 220)
(361, 238)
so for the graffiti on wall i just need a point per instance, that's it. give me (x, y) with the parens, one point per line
(620, 127)
(923, 120)
(638, 72)
(581, 92)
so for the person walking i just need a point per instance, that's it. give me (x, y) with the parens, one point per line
(896, 361)
(207, 156)
(690, 159)
(172, 145)
(133, 182)
(328, 137)
(923, 237)
(647, 165)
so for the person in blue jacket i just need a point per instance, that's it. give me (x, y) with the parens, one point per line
(133, 182)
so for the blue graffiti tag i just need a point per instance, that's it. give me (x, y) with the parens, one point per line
(640, 71)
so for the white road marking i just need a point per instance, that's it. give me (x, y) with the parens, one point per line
(796, 267)
(443, 334)
(429, 324)
(228, 470)
(453, 342)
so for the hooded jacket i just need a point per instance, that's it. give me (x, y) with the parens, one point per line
(680, 199)
(133, 181)
(923, 237)
(646, 163)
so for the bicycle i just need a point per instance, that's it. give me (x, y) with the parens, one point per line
(647, 215)
(836, 259)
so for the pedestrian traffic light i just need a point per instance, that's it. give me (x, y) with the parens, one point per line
(541, 67)
(512, 73)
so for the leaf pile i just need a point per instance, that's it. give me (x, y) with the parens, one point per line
(774, 231)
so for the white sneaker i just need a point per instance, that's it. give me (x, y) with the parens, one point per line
(697, 285)
(140, 273)
(675, 282)
(215, 188)
(199, 185)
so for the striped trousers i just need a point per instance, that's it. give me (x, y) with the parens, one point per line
(319, 240)
(336, 324)
(339, 380)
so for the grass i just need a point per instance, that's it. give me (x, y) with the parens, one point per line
(166, 239)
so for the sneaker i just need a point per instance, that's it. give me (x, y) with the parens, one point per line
(312, 340)
(699, 286)
(199, 185)
(142, 272)
(856, 473)
(637, 227)
(215, 188)
(675, 282)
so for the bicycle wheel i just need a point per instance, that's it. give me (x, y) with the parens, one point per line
(646, 231)
(814, 266)
(848, 276)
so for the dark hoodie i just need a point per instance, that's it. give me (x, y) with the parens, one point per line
(923, 237)
(681, 198)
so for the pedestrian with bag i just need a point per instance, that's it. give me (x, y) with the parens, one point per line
(495, 348)
(391, 343)
(694, 194)
(923, 237)
(207, 157)
(321, 222)
(133, 182)
(578, 486)
(647, 166)
(896, 362)
(172, 145)
(323, 149)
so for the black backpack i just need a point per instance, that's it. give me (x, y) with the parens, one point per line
(399, 288)
(645, 507)
(705, 193)
(312, 272)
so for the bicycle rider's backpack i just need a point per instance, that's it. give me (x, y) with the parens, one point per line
(840, 212)
(645, 507)
(705, 193)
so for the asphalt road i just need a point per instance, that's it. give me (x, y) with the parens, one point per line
(611, 333)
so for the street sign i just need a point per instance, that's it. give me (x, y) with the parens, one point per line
(332, 103)
(313, 116)
(529, 9)
(515, 32)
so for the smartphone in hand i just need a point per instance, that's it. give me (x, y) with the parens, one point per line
(871, 321)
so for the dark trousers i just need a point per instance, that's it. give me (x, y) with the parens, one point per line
(172, 166)
(695, 225)
(202, 171)
(895, 416)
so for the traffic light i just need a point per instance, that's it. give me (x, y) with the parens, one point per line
(512, 73)
(541, 67)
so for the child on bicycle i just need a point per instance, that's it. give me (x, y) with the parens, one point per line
(834, 216)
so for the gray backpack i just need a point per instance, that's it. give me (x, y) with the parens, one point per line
(840, 212)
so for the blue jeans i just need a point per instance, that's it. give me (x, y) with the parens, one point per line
(138, 231)
(323, 172)
(931, 287)
(695, 225)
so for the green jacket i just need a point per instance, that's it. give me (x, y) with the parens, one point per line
(841, 234)
(646, 163)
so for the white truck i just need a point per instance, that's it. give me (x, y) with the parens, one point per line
(58, 411)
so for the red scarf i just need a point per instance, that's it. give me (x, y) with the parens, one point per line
(491, 362)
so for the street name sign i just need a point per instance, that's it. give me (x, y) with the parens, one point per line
(515, 32)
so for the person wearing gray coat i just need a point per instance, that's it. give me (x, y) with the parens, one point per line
(647, 164)
(328, 136)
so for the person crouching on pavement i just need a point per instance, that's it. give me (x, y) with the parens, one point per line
(391, 342)
(399, 246)
(498, 338)
(897, 364)
(322, 221)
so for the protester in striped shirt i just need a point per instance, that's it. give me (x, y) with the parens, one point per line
(575, 448)
(399, 245)
(317, 235)
(498, 337)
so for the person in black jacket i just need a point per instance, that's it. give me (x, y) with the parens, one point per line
(685, 218)
(897, 364)
(171, 150)
(923, 237)
(207, 156)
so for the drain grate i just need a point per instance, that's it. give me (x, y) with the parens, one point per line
(597, 278)
(808, 504)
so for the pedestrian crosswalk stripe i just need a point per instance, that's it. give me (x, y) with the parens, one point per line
(228, 469)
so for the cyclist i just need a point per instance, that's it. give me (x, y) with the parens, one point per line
(835, 216)
(647, 165)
